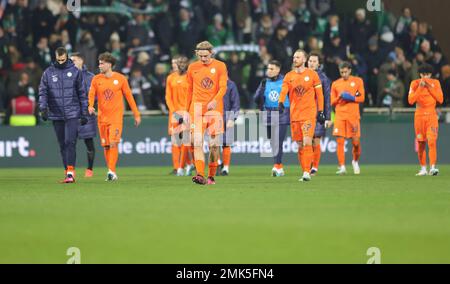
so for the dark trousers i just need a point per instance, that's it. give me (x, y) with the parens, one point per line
(67, 134)
(282, 130)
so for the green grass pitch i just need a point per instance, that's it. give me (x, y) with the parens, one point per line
(247, 217)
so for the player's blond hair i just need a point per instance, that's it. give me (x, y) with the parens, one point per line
(204, 45)
(302, 51)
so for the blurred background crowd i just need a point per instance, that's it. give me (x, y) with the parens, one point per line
(144, 35)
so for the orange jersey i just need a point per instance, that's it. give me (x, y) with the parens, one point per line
(109, 93)
(305, 94)
(177, 89)
(206, 83)
(347, 110)
(425, 98)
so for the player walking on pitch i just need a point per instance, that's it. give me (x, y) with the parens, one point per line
(320, 131)
(426, 93)
(109, 88)
(62, 99)
(306, 97)
(346, 95)
(207, 80)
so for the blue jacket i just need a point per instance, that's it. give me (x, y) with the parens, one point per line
(326, 86)
(90, 129)
(61, 91)
(231, 102)
(266, 97)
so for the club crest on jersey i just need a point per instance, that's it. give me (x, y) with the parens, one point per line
(213, 70)
(307, 79)
(109, 94)
(352, 84)
(116, 82)
(274, 96)
(69, 74)
(207, 83)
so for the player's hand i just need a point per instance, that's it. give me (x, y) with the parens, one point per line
(230, 123)
(177, 117)
(328, 123)
(44, 114)
(137, 121)
(281, 107)
(321, 117)
(91, 110)
(347, 97)
(212, 105)
(83, 120)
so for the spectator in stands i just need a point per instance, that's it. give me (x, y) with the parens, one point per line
(101, 32)
(280, 49)
(158, 84)
(34, 73)
(446, 84)
(42, 54)
(140, 88)
(393, 92)
(403, 22)
(334, 29)
(264, 30)
(374, 58)
(360, 31)
(139, 28)
(89, 50)
(42, 22)
(243, 21)
(408, 39)
(187, 33)
(335, 54)
(438, 61)
(217, 33)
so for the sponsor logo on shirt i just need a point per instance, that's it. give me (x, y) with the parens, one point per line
(207, 83)
(109, 94)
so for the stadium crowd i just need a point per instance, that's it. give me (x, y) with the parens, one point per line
(145, 35)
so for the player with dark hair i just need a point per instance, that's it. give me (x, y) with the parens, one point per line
(63, 100)
(314, 63)
(109, 88)
(89, 131)
(426, 93)
(346, 95)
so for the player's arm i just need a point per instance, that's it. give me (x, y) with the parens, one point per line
(414, 92)
(361, 93)
(129, 97)
(169, 94)
(259, 95)
(223, 78)
(43, 93)
(334, 95)
(190, 82)
(436, 92)
(318, 90)
(92, 95)
(82, 96)
(285, 87)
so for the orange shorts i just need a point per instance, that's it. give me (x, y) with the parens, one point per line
(210, 123)
(347, 128)
(426, 127)
(110, 133)
(301, 129)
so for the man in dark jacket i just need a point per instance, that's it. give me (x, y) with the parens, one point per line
(89, 131)
(62, 99)
(266, 98)
(231, 107)
(320, 131)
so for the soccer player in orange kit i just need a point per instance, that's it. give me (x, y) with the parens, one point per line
(176, 92)
(306, 97)
(109, 88)
(426, 93)
(207, 79)
(346, 95)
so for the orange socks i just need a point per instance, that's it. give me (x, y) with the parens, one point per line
(226, 155)
(185, 159)
(106, 152)
(176, 151)
(422, 153)
(432, 151)
(200, 167)
(340, 151)
(278, 166)
(307, 156)
(113, 157)
(300, 157)
(356, 151)
(212, 169)
(316, 156)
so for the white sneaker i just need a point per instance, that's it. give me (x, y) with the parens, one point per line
(434, 171)
(280, 173)
(111, 176)
(341, 170)
(422, 172)
(306, 177)
(189, 169)
(274, 172)
(180, 172)
(225, 171)
(356, 169)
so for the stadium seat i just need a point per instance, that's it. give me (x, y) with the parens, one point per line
(22, 112)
